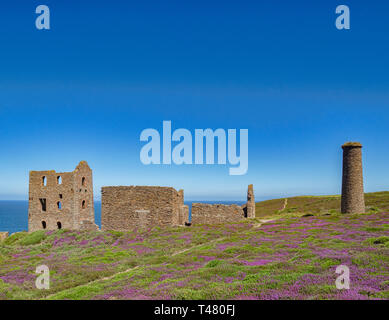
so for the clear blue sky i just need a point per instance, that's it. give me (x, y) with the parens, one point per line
(85, 90)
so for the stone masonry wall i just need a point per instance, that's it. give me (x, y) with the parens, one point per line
(130, 207)
(218, 213)
(178, 203)
(60, 199)
(353, 198)
(250, 206)
(83, 191)
(203, 213)
(184, 215)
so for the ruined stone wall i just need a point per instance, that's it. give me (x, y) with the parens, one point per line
(184, 215)
(126, 208)
(181, 211)
(83, 195)
(353, 198)
(250, 205)
(219, 213)
(88, 225)
(178, 203)
(3, 236)
(60, 199)
(203, 213)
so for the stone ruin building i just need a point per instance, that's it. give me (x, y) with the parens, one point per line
(61, 199)
(203, 213)
(127, 208)
(353, 197)
(65, 200)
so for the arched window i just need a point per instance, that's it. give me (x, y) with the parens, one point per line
(43, 203)
(44, 224)
(44, 181)
(59, 205)
(59, 180)
(83, 180)
(83, 205)
(59, 225)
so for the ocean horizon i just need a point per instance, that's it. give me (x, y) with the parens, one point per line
(14, 213)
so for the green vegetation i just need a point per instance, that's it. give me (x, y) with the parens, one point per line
(317, 205)
(292, 254)
(33, 238)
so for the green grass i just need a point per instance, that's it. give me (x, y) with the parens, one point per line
(292, 257)
(33, 238)
(375, 202)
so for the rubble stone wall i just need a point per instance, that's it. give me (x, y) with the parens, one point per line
(130, 207)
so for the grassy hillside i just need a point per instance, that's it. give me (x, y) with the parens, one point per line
(292, 257)
(375, 202)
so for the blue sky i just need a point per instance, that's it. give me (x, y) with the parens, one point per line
(85, 90)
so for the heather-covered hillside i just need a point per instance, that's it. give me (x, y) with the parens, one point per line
(293, 256)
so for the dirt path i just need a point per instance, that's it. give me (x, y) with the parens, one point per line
(258, 225)
(199, 245)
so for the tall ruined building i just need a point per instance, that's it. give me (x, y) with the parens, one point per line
(61, 199)
(353, 198)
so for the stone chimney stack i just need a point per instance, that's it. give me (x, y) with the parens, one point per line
(250, 202)
(353, 197)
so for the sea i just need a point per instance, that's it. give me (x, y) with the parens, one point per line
(14, 213)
